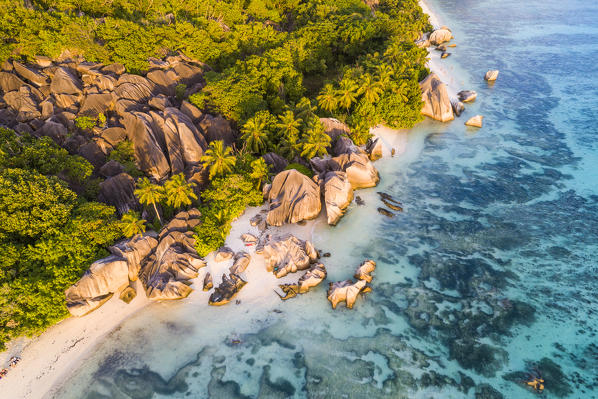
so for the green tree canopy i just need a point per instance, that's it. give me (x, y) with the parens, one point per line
(219, 159)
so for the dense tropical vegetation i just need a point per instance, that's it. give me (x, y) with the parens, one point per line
(276, 67)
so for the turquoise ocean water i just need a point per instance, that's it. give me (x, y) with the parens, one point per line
(491, 270)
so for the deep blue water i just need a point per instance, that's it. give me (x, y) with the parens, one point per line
(491, 270)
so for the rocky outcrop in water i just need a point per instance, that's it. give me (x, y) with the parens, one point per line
(440, 36)
(437, 104)
(491, 75)
(345, 291)
(293, 197)
(365, 270)
(314, 276)
(475, 121)
(288, 255)
(467, 96)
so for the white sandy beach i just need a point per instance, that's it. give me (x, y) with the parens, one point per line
(48, 359)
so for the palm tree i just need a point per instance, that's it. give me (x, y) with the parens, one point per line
(255, 133)
(327, 98)
(219, 159)
(385, 74)
(179, 191)
(347, 93)
(304, 110)
(259, 171)
(150, 194)
(288, 127)
(316, 142)
(371, 89)
(400, 90)
(131, 225)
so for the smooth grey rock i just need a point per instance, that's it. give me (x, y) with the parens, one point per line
(475, 121)
(10, 82)
(93, 153)
(63, 82)
(458, 107)
(314, 276)
(160, 102)
(276, 162)
(491, 75)
(440, 36)
(23, 103)
(467, 96)
(224, 253)
(226, 291)
(374, 148)
(111, 168)
(94, 104)
(135, 88)
(114, 135)
(288, 255)
(217, 128)
(345, 291)
(148, 151)
(437, 104)
(335, 128)
(293, 197)
(29, 74)
(338, 194)
(118, 192)
(364, 271)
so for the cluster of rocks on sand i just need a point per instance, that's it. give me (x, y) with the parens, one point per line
(165, 263)
(437, 103)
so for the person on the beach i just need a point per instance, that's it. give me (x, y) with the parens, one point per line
(3, 372)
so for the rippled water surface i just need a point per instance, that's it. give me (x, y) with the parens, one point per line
(490, 271)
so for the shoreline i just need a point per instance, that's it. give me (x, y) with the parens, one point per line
(50, 358)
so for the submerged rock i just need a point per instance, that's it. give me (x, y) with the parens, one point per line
(385, 212)
(475, 121)
(229, 287)
(293, 197)
(287, 255)
(314, 276)
(345, 291)
(437, 104)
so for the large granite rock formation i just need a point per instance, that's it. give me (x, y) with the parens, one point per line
(106, 276)
(437, 104)
(440, 36)
(165, 273)
(118, 191)
(163, 262)
(338, 194)
(293, 197)
(287, 255)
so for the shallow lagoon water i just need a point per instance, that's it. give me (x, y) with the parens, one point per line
(491, 268)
